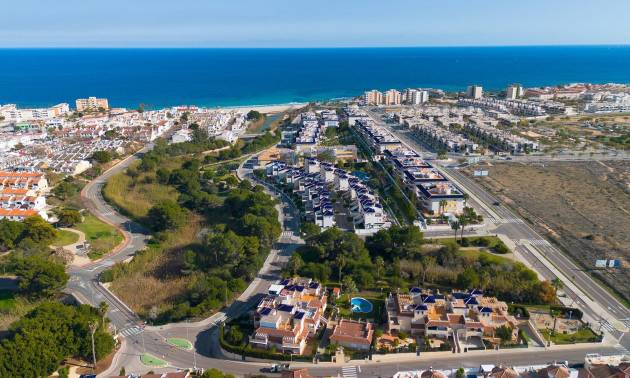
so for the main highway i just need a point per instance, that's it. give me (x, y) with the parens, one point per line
(138, 339)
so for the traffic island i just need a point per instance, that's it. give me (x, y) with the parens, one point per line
(179, 343)
(152, 361)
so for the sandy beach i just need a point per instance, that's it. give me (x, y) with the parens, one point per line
(267, 109)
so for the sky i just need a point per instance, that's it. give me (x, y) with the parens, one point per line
(302, 23)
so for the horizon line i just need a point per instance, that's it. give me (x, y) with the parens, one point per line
(175, 47)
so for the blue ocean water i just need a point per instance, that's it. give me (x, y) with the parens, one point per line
(225, 77)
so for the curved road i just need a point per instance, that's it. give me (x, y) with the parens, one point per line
(137, 339)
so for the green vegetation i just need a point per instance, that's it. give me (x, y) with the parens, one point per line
(180, 343)
(38, 343)
(38, 276)
(31, 235)
(583, 335)
(102, 157)
(211, 235)
(400, 257)
(214, 373)
(7, 301)
(67, 188)
(65, 237)
(101, 236)
(68, 217)
(254, 115)
(151, 360)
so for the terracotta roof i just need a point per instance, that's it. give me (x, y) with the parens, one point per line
(298, 373)
(554, 371)
(503, 372)
(352, 331)
(432, 374)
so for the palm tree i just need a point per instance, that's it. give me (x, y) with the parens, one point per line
(103, 307)
(380, 265)
(463, 222)
(455, 227)
(466, 196)
(557, 285)
(341, 262)
(442, 204)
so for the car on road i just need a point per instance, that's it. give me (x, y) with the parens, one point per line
(496, 203)
(275, 368)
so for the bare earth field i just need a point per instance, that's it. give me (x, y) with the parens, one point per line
(583, 206)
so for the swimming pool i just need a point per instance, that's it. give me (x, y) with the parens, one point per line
(359, 304)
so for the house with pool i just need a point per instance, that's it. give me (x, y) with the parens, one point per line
(458, 314)
(290, 314)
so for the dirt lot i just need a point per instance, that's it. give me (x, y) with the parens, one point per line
(583, 206)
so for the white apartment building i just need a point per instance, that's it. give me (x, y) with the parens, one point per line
(13, 114)
(513, 92)
(91, 103)
(474, 91)
(372, 97)
(392, 97)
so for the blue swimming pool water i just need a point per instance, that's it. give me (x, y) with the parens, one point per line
(360, 305)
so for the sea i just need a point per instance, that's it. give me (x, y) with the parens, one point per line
(237, 77)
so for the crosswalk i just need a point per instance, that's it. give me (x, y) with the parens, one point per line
(607, 326)
(131, 331)
(622, 349)
(349, 372)
(539, 242)
(507, 220)
(626, 322)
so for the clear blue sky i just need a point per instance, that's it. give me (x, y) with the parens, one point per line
(303, 23)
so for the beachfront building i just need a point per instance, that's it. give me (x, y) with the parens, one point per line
(415, 96)
(458, 315)
(91, 103)
(372, 97)
(291, 312)
(392, 97)
(474, 91)
(353, 334)
(514, 91)
(12, 113)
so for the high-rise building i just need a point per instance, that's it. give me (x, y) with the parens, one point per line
(373, 97)
(474, 91)
(413, 96)
(513, 92)
(91, 103)
(392, 97)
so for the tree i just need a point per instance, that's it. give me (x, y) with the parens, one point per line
(455, 227)
(349, 286)
(38, 230)
(102, 157)
(215, 373)
(504, 333)
(167, 215)
(66, 189)
(103, 307)
(39, 277)
(10, 232)
(309, 229)
(68, 217)
(379, 264)
(557, 285)
(468, 279)
(254, 115)
(460, 373)
(442, 204)
(466, 196)
(295, 263)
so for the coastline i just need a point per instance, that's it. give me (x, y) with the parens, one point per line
(266, 109)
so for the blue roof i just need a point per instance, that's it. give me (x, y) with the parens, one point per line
(475, 292)
(485, 309)
(428, 299)
(459, 295)
(415, 290)
(313, 285)
(421, 308)
(285, 308)
(265, 311)
(299, 288)
(471, 301)
(285, 282)
(299, 315)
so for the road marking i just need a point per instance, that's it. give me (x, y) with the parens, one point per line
(131, 331)
(539, 242)
(349, 371)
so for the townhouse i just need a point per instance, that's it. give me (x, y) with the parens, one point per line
(313, 184)
(377, 137)
(291, 312)
(353, 334)
(459, 314)
(501, 139)
(23, 180)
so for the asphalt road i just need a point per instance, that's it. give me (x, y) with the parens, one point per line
(138, 339)
(579, 286)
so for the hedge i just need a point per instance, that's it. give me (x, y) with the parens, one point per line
(575, 312)
(260, 353)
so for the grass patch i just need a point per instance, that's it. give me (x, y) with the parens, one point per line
(136, 196)
(179, 343)
(153, 278)
(584, 335)
(65, 237)
(101, 236)
(151, 360)
(7, 301)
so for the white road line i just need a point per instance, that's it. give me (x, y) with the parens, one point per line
(349, 371)
(131, 331)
